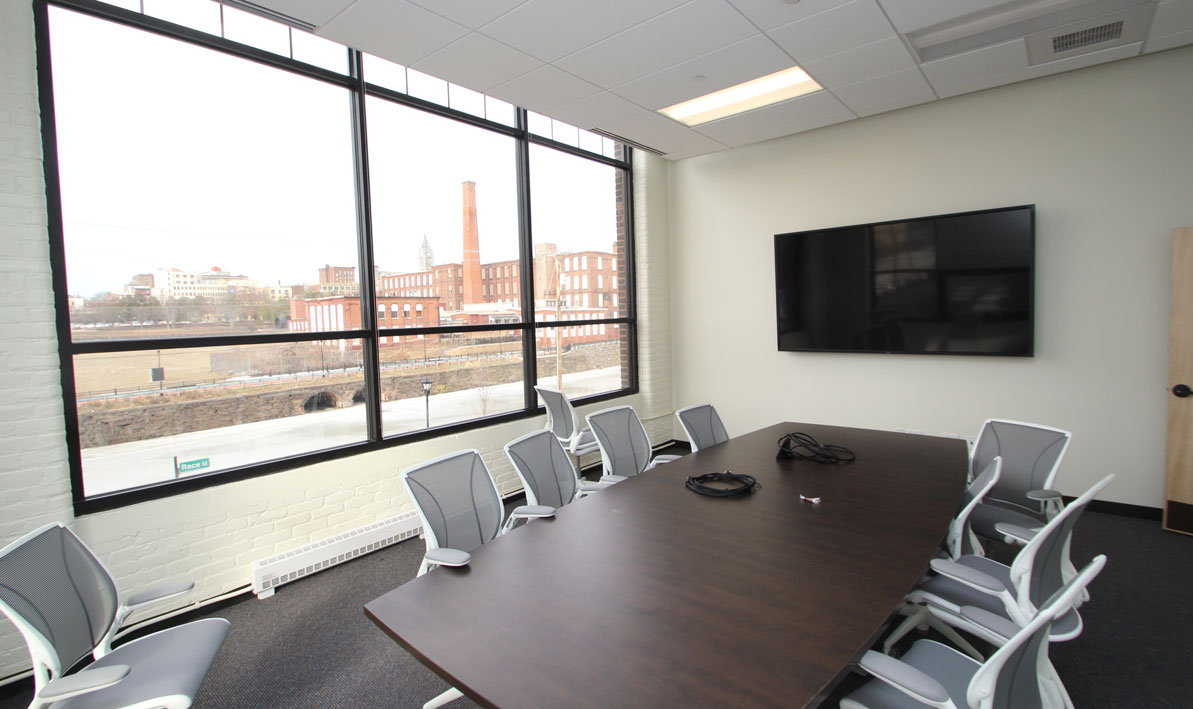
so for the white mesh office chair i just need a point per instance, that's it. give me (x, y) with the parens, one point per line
(461, 510)
(961, 538)
(625, 447)
(1002, 594)
(563, 422)
(702, 425)
(546, 471)
(1031, 455)
(935, 675)
(65, 603)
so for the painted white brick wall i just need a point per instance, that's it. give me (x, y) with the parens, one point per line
(211, 536)
(34, 482)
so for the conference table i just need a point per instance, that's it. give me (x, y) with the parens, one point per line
(648, 594)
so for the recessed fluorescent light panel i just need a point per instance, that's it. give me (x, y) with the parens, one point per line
(756, 93)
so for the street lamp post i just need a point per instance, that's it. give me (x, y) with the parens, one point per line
(427, 398)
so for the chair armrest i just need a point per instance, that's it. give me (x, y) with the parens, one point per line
(907, 679)
(970, 577)
(159, 593)
(660, 459)
(992, 622)
(1042, 495)
(82, 682)
(1014, 533)
(612, 478)
(533, 512)
(588, 488)
(445, 556)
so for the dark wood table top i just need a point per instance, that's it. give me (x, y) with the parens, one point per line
(647, 594)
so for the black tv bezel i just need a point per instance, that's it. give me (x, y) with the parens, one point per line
(1031, 295)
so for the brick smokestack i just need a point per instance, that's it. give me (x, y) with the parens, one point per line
(472, 248)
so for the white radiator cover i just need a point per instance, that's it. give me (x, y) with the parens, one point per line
(292, 565)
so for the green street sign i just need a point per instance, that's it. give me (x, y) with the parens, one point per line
(190, 465)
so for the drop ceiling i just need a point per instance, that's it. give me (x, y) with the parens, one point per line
(610, 65)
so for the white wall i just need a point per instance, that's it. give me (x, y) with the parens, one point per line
(1105, 153)
(212, 536)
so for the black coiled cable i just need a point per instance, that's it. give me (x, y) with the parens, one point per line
(802, 446)
(741, 484)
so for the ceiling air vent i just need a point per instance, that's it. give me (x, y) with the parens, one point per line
(1114, 29)
(1085, 38)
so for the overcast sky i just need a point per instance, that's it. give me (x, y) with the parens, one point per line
(176, 156)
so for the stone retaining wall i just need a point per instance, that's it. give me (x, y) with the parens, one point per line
(103, 428)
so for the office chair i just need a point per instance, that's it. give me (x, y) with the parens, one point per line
(961, 538)
(1031, 455)
(546, 471)
(460, 508)
(702, 426)
(1003, 594)
(66, 605)
(621, 437)
(935, 675)
(563, 422)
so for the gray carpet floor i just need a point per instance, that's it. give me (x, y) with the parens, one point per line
(311, 645)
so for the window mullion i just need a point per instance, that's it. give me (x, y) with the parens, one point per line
(364, 230)
(526, 249)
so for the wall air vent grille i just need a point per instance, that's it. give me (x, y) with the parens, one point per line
(1087, 37)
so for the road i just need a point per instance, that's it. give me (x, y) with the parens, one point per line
(126, 465)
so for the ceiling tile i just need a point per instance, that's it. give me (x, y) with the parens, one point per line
(477, 62)
(315, 12)
(748, 59)
(886, 93)
(793, 116)
(543, 89)
(975, 67)
(769, 14)
(845, 27)
(963, 83)
(687, 32)
(470, 13)
(597, 109)
(664, 134)
(550, 29)
(911, 15)
(392, 29)
(869, 61)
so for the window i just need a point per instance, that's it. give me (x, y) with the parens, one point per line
(227, 279)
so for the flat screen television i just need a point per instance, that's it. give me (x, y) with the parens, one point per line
(949, 284)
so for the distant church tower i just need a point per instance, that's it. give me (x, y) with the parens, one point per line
(426, 257)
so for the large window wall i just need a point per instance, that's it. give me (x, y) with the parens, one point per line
(270, 250)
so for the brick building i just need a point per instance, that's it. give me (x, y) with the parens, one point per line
(341, 312)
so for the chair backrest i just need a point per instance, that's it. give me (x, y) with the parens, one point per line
(960, 539)
(625, 447)
(1038, 569)
(58, 594)
(1010, 678)
(457, 500)
(561, 416)
(703, 426)
(1031, 455)
(544, 467)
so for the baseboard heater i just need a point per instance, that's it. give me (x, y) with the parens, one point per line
(292, 565)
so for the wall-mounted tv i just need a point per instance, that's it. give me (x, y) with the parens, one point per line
(948, 284)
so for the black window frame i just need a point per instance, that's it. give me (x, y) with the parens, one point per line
(355, 81)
